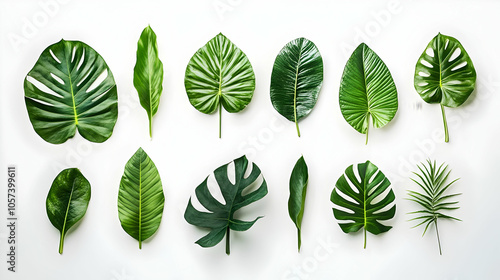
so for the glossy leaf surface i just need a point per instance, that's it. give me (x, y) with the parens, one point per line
(297, 199)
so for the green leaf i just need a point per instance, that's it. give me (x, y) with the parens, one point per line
(219, 75)
(296, 80)
(220, 218)
(367, 90)
(140, 198)
(148, 74)
(67, 201)
(445, 74)
(71, 87)
(432, 180)
(364, 199)
(298, 188)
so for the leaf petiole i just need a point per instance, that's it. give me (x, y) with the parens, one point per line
(228, 251)
(446, 136)
(61, 243)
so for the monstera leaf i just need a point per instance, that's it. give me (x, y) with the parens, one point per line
(220, 218)
(298, 189)
(69, 88)
(219, 75)
(67, 201)
(296, 80)
(366, 201)
(367, 90)
(445, 74)
(140, 198)
(148, 74)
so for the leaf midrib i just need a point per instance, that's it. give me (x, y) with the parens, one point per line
(295, 86)
(67, 207)
(71, 90)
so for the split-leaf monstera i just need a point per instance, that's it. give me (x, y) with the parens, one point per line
(367, 90)
(366, 203)
(445, 74)
(296, 80)
(220, 218)
(219, 75)
(71, 87)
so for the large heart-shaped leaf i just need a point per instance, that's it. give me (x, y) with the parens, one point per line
(148, 73)
(71, 87)
(367, 90)
(296, 80)
(297, 199)
(445, 74)
(140, 198)
(219, 75)
(364, 198)
(67, 201)
(220, 218)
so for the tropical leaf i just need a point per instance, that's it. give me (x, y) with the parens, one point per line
(148, 74)
(71, 87)
(298, 189)
(367, 90)
(67, 201)
(445, 74)
(220, 218)
(140, 198)
(366, 202)
(219, 75)
(433, 200)
(296, 80)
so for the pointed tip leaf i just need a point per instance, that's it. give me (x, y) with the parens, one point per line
(298, 188)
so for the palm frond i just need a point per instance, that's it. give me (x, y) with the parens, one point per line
(432, 200)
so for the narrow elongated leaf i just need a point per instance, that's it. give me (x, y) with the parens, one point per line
(148, 74)
(219, 75)
(367, 90)
(298, 188)
(71, 87)
(296, 80)
(67, 201)
(445, 74)
(366, 203)
(140, 198)
(434, 200)
(220, 216)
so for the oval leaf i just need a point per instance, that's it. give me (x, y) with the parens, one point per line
(445, 74)
(220, 218)
(71, 87)
(67, 201)
(367, 90)
(364, 212)
(219, 75)
(298, 188)
(296, 79)
(148, 73)
(140, 198)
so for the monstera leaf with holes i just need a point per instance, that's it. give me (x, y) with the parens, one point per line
(219, 75)
(364, 201)
(220, 218)
(445, 74)
(296, 80)
(140, 198)
(71, 87)
(367, 90)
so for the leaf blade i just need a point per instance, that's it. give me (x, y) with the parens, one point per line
(298, 188)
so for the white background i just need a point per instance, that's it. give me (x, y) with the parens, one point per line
(186, 149)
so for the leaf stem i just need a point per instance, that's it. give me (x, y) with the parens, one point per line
(437, 232)
(299, 238)
(228, 251)
(297, 125)
(446, 136)
(220, 119)
(365, 238)
(367, 127)
(61, 243)
(150, 130)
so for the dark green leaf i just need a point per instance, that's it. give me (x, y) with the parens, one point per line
(148, 73)
(298, 188)
(363, 211)
(67, 201)
(445, 74)
(296, 79)
(220, 218)
(367, 90)
(69, 88)
(219, 75)
(140, 198)
(433, 182)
